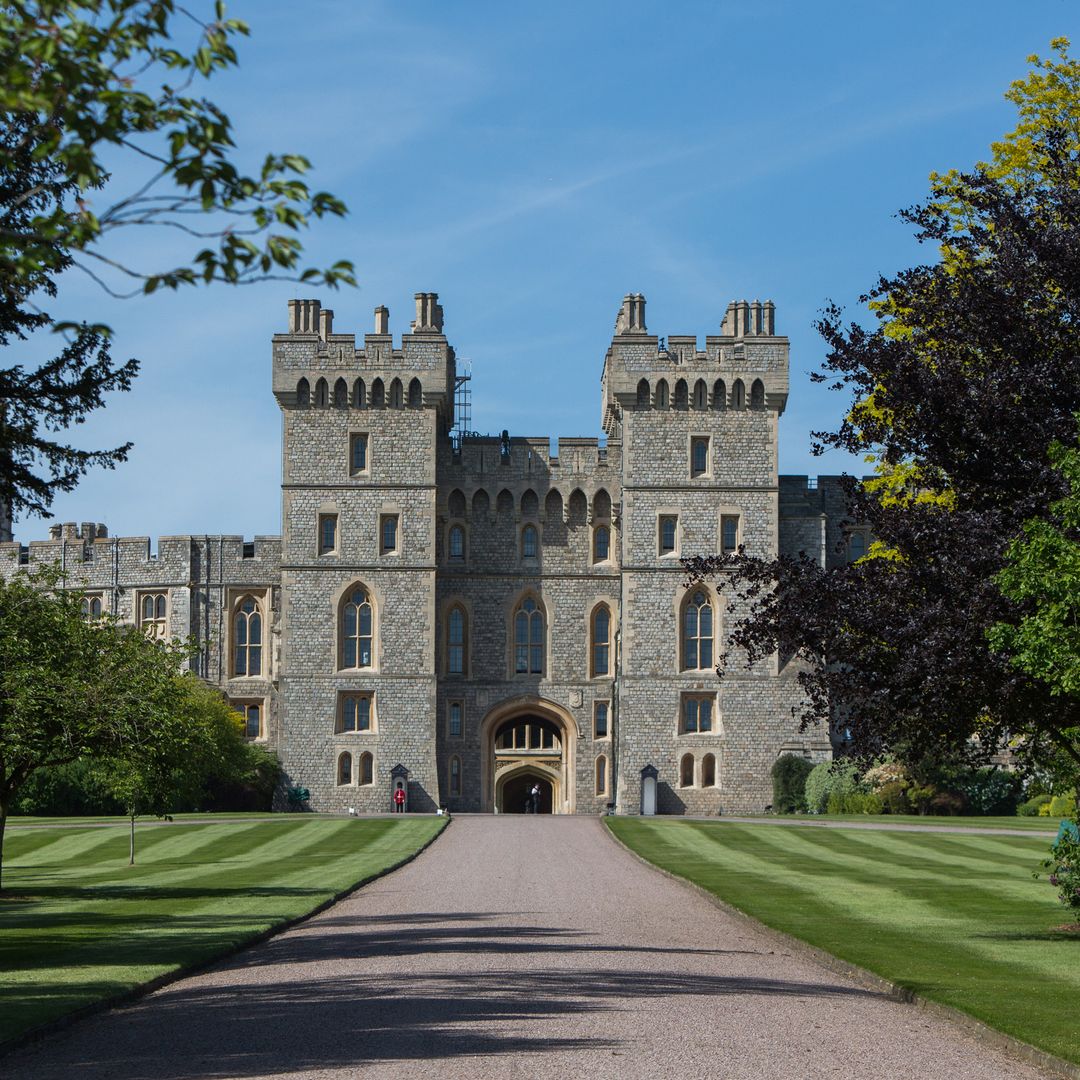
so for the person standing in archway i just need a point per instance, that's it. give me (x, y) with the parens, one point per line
(534, 798)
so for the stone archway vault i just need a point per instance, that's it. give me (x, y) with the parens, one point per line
(560, 773)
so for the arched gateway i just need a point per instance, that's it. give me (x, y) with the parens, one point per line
(527, 742)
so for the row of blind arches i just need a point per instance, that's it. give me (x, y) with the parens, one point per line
(529, 504)
(358, 397)
(660, 396)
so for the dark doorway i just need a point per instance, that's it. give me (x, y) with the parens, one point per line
(515, 794)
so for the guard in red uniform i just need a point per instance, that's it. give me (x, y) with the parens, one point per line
(399, 801)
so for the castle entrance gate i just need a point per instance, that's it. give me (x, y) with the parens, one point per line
(528, 743)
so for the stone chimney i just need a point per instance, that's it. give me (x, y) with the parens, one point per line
(304, 316)
(382, 321)
(326, 323)
(429, 314)
(631, 318)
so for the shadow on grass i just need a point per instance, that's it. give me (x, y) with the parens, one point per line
(275, 1012)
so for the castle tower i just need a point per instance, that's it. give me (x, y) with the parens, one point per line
(699, 436)
(358, 553)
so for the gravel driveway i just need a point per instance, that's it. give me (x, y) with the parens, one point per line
(517, 947)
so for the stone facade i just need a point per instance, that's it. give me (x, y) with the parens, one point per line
(488, 613)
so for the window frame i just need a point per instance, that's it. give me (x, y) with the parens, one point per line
(661, 520)
(600, 649)
(459, 704)
(698, 698)
(451, 529)
(325, 518)
(529, 529)
(536, 616)
(387, 519)
(606, 557)
(254, 616)
(725, 520)
(601, 780)
(689, 603)
(87, 605)
(344, 697)
(453, 778)
(158, 624)
(359, 438)
(242, 705)
(605, 705)
(347, 600)
(462, 670)
(365, 764)
(703, 442)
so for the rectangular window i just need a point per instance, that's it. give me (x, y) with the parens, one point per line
(729, 534)
(388, 534)
(699, 455)
(668, 533)
(357, 454)
(355, 714)
(454, 715)
(697, 713)
(251, 711)
(600, 720)
(327, 534)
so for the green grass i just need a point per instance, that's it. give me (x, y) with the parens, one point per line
(956, 918)
(1026, 824)
(78, 925)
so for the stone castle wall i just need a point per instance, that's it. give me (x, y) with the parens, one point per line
(659, 397)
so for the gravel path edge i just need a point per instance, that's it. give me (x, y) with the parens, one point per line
(126, 997)
(981, 1032)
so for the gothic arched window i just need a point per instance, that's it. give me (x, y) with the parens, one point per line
(366, 770)
(697, 632)
(456, 542)
(601, 543)
(528, 542)
(528, 638)
(456, 652)
(247, 638)
(356, 629)
(600, 642)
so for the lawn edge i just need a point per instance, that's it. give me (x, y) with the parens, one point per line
(977, 1029)
(125, 997)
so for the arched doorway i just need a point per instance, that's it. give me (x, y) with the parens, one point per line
(528, 741)
(514, 792)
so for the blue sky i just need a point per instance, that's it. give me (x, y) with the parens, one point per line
(532, 165)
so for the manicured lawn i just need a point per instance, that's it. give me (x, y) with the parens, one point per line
(77, 924)
(1026, 824)
(956, 918)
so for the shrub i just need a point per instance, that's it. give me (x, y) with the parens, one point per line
(920, 796)
(883, 774)
(789, 773)
(72, 790)
(816, 791)
(1033, 807)
(894, 798)
(948, 804)
(988, 790)
(1064, 867)
(1063, 806)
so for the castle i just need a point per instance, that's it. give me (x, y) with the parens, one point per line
(471, 617)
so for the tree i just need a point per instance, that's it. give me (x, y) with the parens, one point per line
(65, 390)
(970, 374)
(167, 761)
(71, 687)
(100, 132)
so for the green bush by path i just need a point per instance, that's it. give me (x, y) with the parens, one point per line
(78, 925)
(789, 773)
(957, 918)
